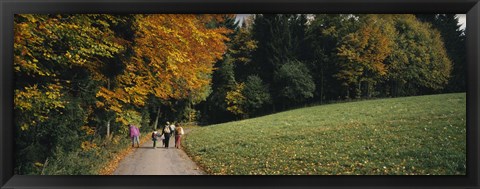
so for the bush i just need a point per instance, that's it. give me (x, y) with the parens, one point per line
(256, 93)
(295, 82)
(88, 159)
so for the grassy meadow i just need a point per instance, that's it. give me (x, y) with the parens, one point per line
(422, 135)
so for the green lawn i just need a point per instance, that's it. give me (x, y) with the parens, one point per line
(400, 136)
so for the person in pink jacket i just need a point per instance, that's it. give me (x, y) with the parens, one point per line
(134, 134)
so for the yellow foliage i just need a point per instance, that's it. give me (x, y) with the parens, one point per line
(38, 164)
(99, 104)
(88, 130)
(39, 102)
(363, 52)
(116, 139)
(235, 100)
(121, 120)
(87, 146)
(116, 109)
(129, 116)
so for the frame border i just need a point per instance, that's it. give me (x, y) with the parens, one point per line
(10, 7)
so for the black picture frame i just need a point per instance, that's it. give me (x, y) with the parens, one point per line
(10, 7)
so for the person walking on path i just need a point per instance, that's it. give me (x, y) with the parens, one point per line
(178, 135)
(172, 128)
(162, 138)
(167, 131)
(154, 138)
(134, 134)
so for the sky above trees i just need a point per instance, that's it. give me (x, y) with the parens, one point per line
(462, 18)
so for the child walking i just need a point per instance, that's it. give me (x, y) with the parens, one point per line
(154, 138)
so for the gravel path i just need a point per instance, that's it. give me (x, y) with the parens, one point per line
(147, 160)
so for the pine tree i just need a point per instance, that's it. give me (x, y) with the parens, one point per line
(242, 49)
(256, 95)
(300, 45)
(324, 33)
(223, 78)
(272, 31)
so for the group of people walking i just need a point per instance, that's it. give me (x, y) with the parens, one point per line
(167, 132)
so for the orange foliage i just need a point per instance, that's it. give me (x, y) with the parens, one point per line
(364, 51)
(180, 50)
(174, 54)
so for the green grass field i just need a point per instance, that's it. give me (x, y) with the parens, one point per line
(422, 135)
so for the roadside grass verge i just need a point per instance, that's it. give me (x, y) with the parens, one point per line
(102, 158)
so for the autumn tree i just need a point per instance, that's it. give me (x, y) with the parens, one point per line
(57, 66)
(418, 63)
(83, 77)
(236, 101)
(455, 43)
(362, 55)
(174, 57)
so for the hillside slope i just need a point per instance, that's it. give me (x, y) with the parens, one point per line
(412, 135)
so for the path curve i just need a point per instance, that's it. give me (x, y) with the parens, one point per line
(147, 160)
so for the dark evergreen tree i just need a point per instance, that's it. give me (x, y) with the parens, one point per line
(300, 45)
(241, 51)
(223, 80)
(274, 43)
(274, 48)
(257, 96)
(295, 83)
(323, 34)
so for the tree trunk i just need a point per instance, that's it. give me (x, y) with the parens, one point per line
(156, 119)
(321, 86)
(369, 90)
(108, 128)
(273, 106)
(348, 92)
(108, 122)
(190, 112)
(358, 91)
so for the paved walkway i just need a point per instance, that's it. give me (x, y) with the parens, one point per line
(147, 160)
